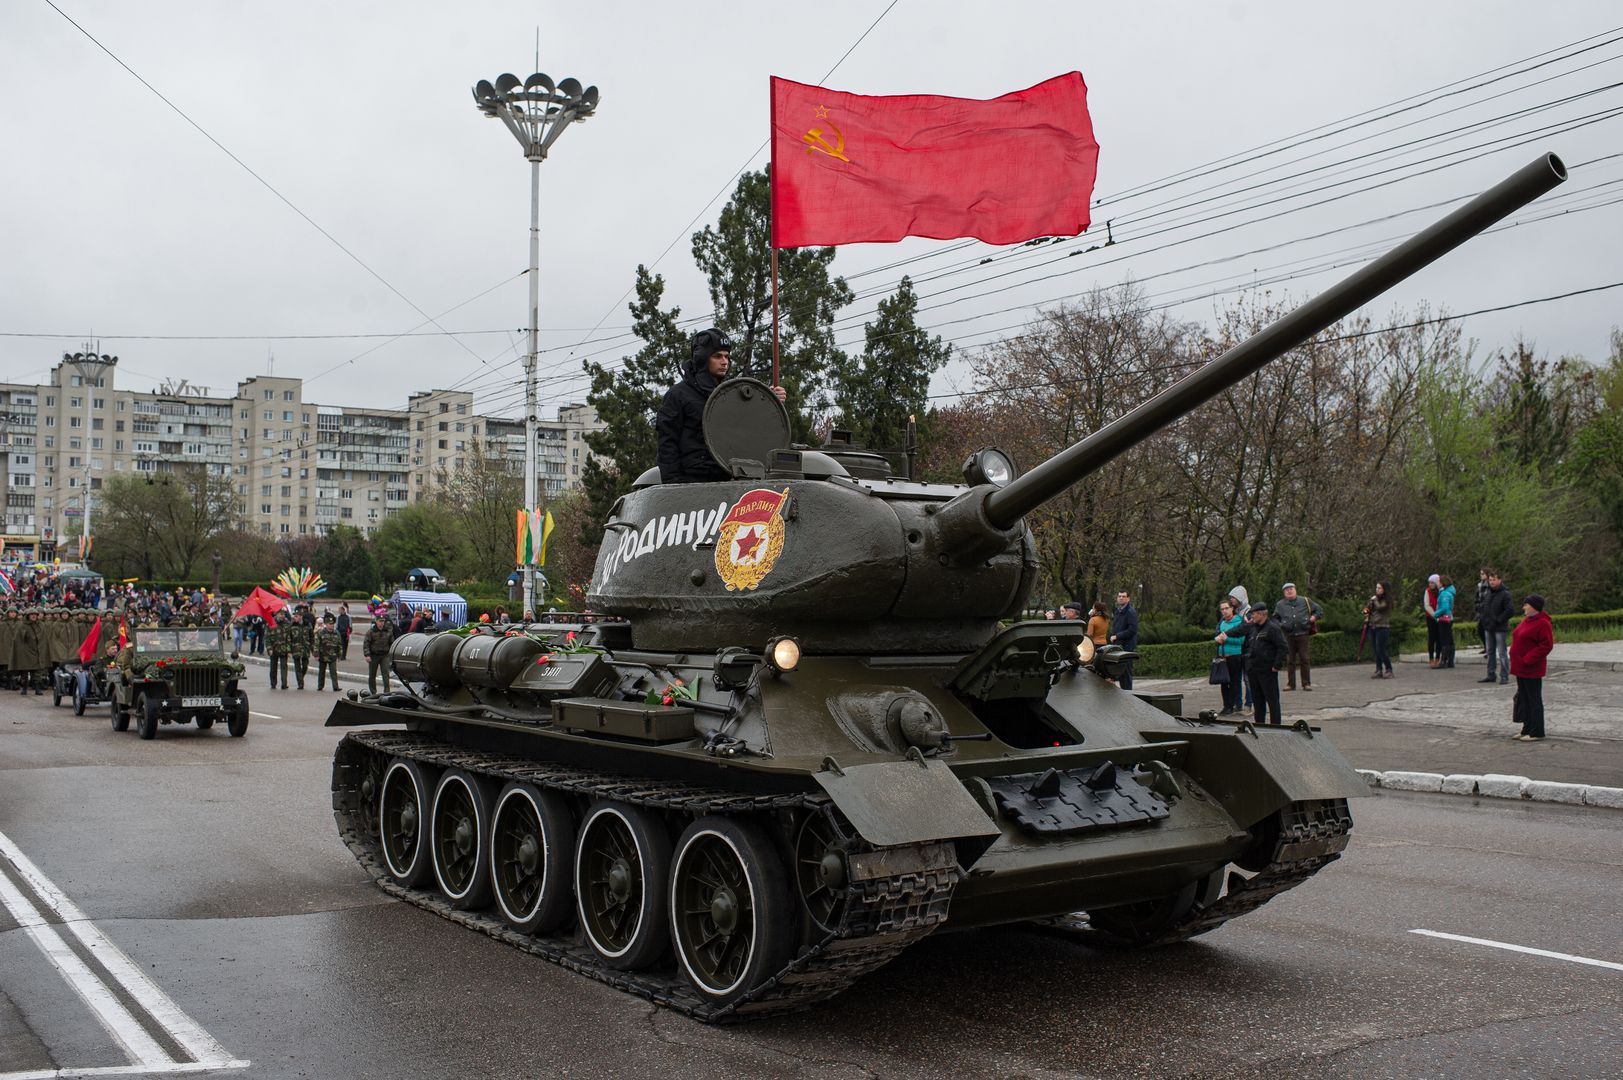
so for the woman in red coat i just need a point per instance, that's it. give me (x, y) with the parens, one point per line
(1530, 643)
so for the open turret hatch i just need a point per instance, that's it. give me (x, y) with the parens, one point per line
(744, 423)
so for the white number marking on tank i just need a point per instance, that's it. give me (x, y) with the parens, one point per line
(1521, 949)
(144, 1052)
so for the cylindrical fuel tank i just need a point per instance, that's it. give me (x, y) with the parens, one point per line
(428, 658)
(494, 662)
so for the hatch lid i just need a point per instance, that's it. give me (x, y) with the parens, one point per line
(743, 423)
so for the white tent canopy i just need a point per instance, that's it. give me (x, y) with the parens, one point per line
(435, 602)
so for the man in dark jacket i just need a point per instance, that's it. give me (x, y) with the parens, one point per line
(1296, 616)
(1124, 632)
(679, 425)
(1265, 651)
(1493, 615)
(376, 648)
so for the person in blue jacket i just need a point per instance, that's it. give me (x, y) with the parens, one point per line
(1124, 632)
(1445, 620)
(1231, 631)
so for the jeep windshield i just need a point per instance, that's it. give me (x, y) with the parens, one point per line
(170, 642)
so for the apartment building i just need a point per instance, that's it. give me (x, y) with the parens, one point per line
(298, 467)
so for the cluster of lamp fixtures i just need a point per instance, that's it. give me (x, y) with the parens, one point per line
(536, 110)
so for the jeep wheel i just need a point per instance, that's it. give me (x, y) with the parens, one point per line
(237, 722)
(146, 716)
(121, 717)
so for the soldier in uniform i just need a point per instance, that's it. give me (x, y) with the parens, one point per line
(27, 657)
(376, 647)
(328, 647)
(299, 644)
(276, 644)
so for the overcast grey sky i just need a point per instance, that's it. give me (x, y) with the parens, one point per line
(119, 219)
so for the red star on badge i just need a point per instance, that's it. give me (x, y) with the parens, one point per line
(747, 543)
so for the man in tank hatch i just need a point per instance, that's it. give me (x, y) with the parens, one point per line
(679, 425)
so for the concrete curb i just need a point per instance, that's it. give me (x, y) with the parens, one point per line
(1497, 786)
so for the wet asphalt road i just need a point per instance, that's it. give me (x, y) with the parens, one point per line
(214, 864)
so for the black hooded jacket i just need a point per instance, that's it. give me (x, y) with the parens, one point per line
(679, 427)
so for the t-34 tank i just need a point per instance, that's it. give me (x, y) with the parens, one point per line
(804, 737)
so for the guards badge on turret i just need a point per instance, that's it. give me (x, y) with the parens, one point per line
(750, 539)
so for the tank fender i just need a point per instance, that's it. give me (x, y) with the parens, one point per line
(912, 801)
(1255, 771)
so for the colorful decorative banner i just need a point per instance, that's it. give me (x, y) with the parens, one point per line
(534, 528)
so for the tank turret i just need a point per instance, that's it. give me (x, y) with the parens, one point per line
(848, 561)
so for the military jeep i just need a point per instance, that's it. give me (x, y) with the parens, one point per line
(175, 675)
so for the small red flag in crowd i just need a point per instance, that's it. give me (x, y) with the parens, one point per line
(850, 168)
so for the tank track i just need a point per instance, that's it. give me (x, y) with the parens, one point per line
(883, 915)
(1312, 835)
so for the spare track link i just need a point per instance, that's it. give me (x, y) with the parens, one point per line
(882, 915)
(1311, 837)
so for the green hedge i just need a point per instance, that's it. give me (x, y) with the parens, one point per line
(229, 588)
(1185, 660)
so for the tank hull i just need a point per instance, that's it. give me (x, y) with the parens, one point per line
(1108, 806)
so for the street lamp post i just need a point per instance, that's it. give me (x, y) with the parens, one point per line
(92, 367)
(537, 112)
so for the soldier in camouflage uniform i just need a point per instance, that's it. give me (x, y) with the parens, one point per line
(376, 647)
(276, 644)
(328, 646)
(299, 643)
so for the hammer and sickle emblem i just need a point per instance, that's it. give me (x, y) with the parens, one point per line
(815, 142)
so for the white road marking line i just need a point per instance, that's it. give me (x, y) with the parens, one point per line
(1511, 948)
(266, 715)
(124, 1070)
(108, 1010)
(180, 1027)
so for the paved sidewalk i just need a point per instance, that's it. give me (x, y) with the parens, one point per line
(1428, 720)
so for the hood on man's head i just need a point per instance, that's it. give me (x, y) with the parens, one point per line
(705, 344)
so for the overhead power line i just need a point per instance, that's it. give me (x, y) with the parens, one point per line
(266, 184)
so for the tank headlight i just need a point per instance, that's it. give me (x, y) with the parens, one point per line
(783, 654)
(988, 466)
(1084, 651)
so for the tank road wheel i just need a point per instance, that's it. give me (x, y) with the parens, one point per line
(402, 812)
(121, 717)
(622, 865)
(1143, 922)
(820, 872)
(531, 839)
(461, 823)
(732, 919)
(146, 716)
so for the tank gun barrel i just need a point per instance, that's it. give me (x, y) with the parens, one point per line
(1004, 507)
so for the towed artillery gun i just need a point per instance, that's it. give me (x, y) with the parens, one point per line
(803, 738)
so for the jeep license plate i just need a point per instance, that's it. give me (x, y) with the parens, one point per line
(199, 702)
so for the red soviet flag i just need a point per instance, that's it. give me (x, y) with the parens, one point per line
(848, 168)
